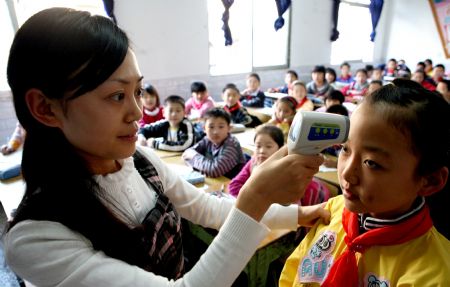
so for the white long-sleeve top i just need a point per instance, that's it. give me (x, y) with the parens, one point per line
(47, 253)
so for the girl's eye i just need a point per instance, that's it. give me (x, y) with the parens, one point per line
(140, 92)
(344, 148)
(371, 164)
(118, 97)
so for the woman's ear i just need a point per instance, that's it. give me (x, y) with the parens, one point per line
(42, 108)
(434, 182)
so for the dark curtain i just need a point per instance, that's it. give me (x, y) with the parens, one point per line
(225, 17)
(109, 8)
(334, 20)
(282, 6)
(375, 8)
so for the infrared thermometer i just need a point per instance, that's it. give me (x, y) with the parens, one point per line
(312, 132)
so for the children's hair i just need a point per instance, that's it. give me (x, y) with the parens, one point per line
(422, 64)
(446, 82)
(423, 116)
(335, 95)
(338, 109)
(319, 69)
(218, 113)
(291, 101)
(361, 71)
(198, 87)
(299, 83)
(369, 68)
(331, 71)
(254, 75)
(293, 73)
(428, 61)
(392, 60)
(232, 87)
(345, 64)
(378, 82)
(440, 66)
(174, 99)
(152, 91)
(273, 131)
(47, 55)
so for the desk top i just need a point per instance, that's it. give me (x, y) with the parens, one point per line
(11, 190)
(164, 153)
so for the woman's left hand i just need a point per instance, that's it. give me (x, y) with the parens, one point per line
(308, 215)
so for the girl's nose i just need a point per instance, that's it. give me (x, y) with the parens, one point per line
(350, 171)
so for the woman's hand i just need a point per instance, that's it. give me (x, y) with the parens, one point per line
(282, 179)
(308, 215)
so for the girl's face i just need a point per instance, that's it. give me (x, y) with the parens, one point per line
(265, 147)
(361, 78)
(102, 124)
(283, 111)
(148, 101)
(318, 77)
(252, 83)
(330, 78)
(377, 168)
(299, 92)
(230, 97)
(200, 96)
(289, 78)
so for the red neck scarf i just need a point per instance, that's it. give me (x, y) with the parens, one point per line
(301, 103)
(233, 108)
(198, 105)
(344, 271)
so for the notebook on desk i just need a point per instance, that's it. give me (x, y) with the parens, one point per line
(186, 172)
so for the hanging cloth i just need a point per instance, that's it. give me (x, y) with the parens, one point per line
(375, 8)
(282, 6)
(225, 17)
(344, 272)
(109, 8)
(334, 20)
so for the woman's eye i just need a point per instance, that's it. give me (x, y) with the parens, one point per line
(140, 92)
(371, 164)
(117, 97)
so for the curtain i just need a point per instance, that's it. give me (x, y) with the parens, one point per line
(109, 8)
(375, 8)
(282, 6)
(225, 17)
(334, 20)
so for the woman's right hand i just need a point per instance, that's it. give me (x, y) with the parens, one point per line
(282, 179)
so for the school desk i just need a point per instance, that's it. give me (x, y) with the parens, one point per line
(12, 189)
(165, 153)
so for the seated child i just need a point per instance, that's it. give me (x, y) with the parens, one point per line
(335, 97)
(253, 96)
(420, 77)
(174, 133)
(377, 74)
(391, 69)
(289, 78)
(284, 112)
(356, 90)
(381, 231)
(268, 139)
(200, 102)
(318, 86)
(369, 68)
(219, 153)
(152, 111)
(239, 115)
(373, 86)
(330, 77)
(16, 140)
(443, 87)
(346, 76)
(299, 93)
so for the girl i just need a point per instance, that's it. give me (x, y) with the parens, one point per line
(253, 96)
(152, 110)
(269, 139)
(95, 215)
(381, 232)
(285, 109)
(298, 92)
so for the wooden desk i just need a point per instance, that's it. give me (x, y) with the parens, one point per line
(165, 153)
(263, 114)
(247, 140)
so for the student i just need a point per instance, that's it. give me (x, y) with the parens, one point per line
(88, 216)
(218, 153)
(253, 96)
(420, 77)
(174, 133)
(335, 97)
(443, 87)
(356, 90)
(345, 76)
(318, 86)
(200, 102)
(330, 77)
(299, 94)
(152, 111)
(377, 74)
(16, 140)
(381, 232)
(373, 86)
(289, 78)
(438, 73)
(268, 139)
(391, 69)
(284, 112)
(369, 68)
(239, 115)
(428, 67)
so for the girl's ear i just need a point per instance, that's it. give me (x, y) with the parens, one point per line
(434, 182)
(42, 108)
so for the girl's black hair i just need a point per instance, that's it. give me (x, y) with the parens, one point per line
(232, 87)
(152, 91)
(66, 53)
(273, 131)
(424, 117)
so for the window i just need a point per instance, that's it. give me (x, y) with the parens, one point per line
(256, 44)
(22, 10)
(354, 26)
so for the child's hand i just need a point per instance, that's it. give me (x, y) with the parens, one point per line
(189, 154)
(329, 162)
(282, 178)
(6, 149)
(308, 215)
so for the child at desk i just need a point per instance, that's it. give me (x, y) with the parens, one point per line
(174, 133)
(356, 90)
(299, 93)
(152, 111)
(289, 78)
(200, 102)
(345, 77)
(218, 153)
(284, 112)
(99, 210)
(319, 85)
(16, 140)
(381, 232)
(239, 115)
(253, 96)
(335, 97)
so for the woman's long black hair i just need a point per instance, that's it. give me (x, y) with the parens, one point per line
(65, 53)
